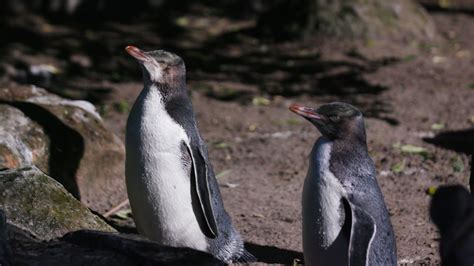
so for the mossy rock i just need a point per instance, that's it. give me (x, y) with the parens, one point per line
(38, 204)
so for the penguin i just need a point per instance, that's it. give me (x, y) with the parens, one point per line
(452, 211)
(345, 220)
(173, 193)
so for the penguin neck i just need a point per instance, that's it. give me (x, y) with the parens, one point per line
(350, 131)
(350, 157)
(350, 143)
(174, 100)
(164, 90)
(148, 94)
(348, 150)
(351, 137)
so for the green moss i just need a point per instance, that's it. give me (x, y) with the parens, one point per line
(457, 163)
(409, 58)
(40, 205)
(122, 107)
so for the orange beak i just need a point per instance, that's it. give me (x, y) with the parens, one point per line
(137, 53)
(304, 111)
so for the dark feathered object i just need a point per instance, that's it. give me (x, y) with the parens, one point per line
(452, 210)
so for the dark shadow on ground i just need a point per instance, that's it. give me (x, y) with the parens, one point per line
(126, 226)
(459, 141)
(93, 53)
(274, 255)
(288, 73)
(266, 254)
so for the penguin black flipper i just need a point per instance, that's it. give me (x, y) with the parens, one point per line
(362, 233)
(200, 187)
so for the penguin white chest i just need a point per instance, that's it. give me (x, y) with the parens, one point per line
(322, 221)
(158, 182)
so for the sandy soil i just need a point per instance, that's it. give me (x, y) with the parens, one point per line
(423, 97)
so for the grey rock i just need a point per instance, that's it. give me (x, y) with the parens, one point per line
(70, 143)
(22, 140)
(39, 205)
(373, 20)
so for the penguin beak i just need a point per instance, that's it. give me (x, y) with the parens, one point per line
(305, 112)
(137, 53)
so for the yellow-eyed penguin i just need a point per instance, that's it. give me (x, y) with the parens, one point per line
(452, 210)
(173, 192)
(345, 220)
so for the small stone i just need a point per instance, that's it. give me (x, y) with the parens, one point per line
(81, 60)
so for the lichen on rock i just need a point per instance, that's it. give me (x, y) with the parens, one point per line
(38, 204)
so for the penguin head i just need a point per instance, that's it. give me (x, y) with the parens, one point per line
(159, 66)
(334, 120)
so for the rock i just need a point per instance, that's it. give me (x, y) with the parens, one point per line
(101, 248)
(41, 206)
(401, 20)
(22, 140)
(41, 74)
(375, 19)
(81, 60)
(79, 151)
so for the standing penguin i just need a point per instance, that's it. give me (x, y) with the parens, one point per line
(173, 192)
(345, 220)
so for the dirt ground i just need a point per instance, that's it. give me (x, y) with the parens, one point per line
(241, 88)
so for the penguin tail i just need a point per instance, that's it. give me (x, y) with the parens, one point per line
(245, 257)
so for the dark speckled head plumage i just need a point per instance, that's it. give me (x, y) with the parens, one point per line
(334, 120)
(160, 67)
(164, 57)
